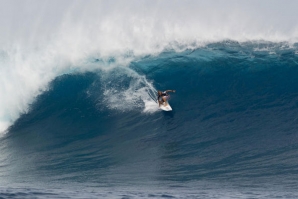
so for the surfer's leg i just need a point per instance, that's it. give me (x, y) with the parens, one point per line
(165, 100)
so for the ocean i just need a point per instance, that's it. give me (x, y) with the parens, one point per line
(78, 111)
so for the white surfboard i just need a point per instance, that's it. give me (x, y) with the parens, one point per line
(165, 108)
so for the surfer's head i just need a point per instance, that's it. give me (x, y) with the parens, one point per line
(159, 93)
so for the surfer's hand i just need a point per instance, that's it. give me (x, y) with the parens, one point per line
(174, 91)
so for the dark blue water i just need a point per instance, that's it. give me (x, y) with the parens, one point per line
(232, 132)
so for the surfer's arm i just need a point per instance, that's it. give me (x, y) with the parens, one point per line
(170, 91)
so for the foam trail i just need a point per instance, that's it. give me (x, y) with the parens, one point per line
(41, 40)
(130, 91)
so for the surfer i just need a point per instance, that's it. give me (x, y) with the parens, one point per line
(163, 96)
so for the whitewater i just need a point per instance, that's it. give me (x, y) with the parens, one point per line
(78, 82)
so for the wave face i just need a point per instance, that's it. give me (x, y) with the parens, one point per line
(78, 88)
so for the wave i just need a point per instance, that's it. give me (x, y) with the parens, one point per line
(77, 37)
(78, 82)
(233, 127)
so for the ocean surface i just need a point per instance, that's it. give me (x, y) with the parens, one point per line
(79, 120)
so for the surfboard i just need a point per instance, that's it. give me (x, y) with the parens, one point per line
(165, 108)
